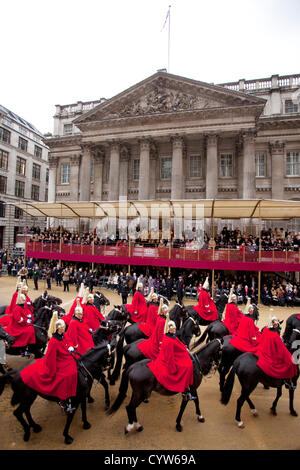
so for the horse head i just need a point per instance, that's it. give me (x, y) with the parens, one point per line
(101, 298)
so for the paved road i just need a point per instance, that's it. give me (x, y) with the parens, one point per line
(265, 432)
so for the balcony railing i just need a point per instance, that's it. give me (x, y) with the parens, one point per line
(225, 258)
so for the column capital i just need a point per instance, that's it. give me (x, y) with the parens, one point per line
(75, 160)
(276, 147)
(249, 136)
(145, 143)
(85, 148)
(125, 152)
(114, 145)
(53, 161)
(211, 139)
(177, 141)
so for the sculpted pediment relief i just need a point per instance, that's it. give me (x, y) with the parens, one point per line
(165, 94)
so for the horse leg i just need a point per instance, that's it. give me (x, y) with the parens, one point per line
(252, 407)
(35, 427)
(274, 405)
(131, 413)
(201, 419)
(86, 424)
(240, 402)
(68, 438)
(181, 411)
(291, 404)
(106, 390)
(18, 413)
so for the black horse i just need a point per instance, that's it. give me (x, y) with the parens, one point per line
(100, 301)
(132, 333)
(133, 354)
(249, 375)
(293, 322)
(45, 299)
(143, 383)
(88, 368)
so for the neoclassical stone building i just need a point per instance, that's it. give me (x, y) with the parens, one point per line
(170, 137)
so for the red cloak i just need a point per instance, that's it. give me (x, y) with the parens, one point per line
(138, 308)
(67, 318)
(148, 327)
(206, 307)
(92, 316)
(274, 358)
(79, 334)
(247, 336)
(173, 367)
(232, 318)
(150, 347)
(18, 327)
(56, 373)
(9, 309)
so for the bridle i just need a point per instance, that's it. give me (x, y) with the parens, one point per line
(214, 364)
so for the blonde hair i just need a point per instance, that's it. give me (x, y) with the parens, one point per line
(53, 321)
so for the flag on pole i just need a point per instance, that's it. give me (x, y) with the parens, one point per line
(165, 20)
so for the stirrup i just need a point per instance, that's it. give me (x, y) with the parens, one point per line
(25, 353)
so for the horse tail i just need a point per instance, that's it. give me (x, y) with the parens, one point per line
(119, 356)
(228, 386)
(202, 338)
(122, 393)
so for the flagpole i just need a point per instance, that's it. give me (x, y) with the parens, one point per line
(169, 39)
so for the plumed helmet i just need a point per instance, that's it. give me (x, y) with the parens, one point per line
(78, 308)
(164, 308)
(150, 296)
(155, 296)
(139, 285)
(24, 286)
(81, 290)
(19, 283)
(90, 298)
(248, 305)
(233, 298)
(166, 329)
(206, 284)
(85, 295)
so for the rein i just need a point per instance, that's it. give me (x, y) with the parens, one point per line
(81, 364)
(214, 365)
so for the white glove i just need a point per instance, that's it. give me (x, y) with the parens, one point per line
(70, 349)
(28, 303)
(28, 321)
(135, 312)
(90, 330)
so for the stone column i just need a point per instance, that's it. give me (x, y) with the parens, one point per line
(152, 176)
(212, 167)
(114, 172)
(144, 176)
(124, 164)
(74, 176)
(85, 174)
(177, 188)
(239, 165)
(277, 151)
(99, 156)
(249, 183)
(53, 161)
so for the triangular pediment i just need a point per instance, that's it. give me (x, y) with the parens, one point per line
(166, 93)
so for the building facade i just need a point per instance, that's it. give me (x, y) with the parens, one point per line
(170, 137)
(24, 174)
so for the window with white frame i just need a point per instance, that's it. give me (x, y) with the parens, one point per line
(290, 107)
(292, 164)
(166, 168)
(195, 166)
(21, 166)
(260, 164)
(38, 151)
(68, 129)
(136, 170)
(3, 159)
(226, 165)
(23, 144)
(65, 173)
(3, 184)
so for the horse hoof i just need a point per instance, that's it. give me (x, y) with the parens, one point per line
(91, 400)
(26, 436)
(129, 428)
(240, 424)
(36, 428)
(254, 412)
(140, 428)
(86, 425)
(201, 419)
(274, 413)
(294, 413)
(146, 400)
(178, 427)
(68, 440)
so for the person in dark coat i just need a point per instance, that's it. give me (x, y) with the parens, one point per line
(124, 291)
(180, 289)
(169, 287)
(36, 275)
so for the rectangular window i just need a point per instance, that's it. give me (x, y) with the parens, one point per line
(23, 144)
(46, 195)
(92, 171)
(136, 170)
(2, 209)
(290, 107)
(68, 129)
(18, 213)
(21, 166)
(20, 188)
(166, 168)
(38, 151)
(4, 135)
(65, 173)
(35, 192)
(36, 171)
(292, 164)
(226, 165)
(3, 159)
(260, 164)
(47, 175)
(195, 166)
(3, 184)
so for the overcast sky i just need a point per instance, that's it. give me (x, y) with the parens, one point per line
(64, 51)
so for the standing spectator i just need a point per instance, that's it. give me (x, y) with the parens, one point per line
(48, 274)
(169, 287)
(124, 291)
(36, 275)
(57, 275)
(78, 279)
(23, 273)
(66, 279)
(90, 280)
(180, 289)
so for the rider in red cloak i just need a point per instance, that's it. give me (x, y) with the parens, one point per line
(138, 308)
(173, 367)
(79, 333)
(19, 326)
(91, 314)
(274, 358)
(232, 315)
(206, 307)
(152, 316)
(56, 373)
(67, 318)
(150, 347)
(247, 336)
(4, 320)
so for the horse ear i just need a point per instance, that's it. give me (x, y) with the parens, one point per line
(281, 322)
